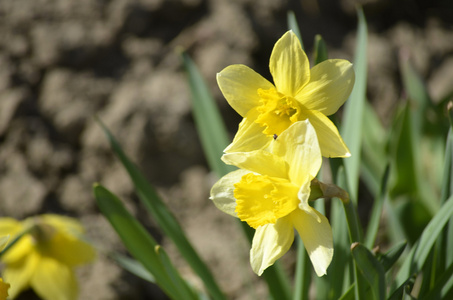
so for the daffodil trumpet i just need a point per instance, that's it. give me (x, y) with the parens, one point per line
(271, 192)
(298, 93)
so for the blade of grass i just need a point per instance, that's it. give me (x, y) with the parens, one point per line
(165, 218)
(419, 253)
(212, 131)
(371, 269)
(353, 110)
(136, 239)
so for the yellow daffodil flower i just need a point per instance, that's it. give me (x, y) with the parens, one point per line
(299, 93)
(270, 192)
(45, 257)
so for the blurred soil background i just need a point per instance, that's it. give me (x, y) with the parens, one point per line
(62, 62)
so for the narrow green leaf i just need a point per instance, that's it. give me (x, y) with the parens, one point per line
(320, 49)
(303, 272)
(133, 266)
(373, 224)
(174, 274)
(277, 282)
(371, 269)
(443, 286)
(136, 239)
(349, 295)
(419, 253)
(165, 218)
(389, 258)
(292, 25)
(373, 149)
(353, 110)
(212, 131)
(404, 289)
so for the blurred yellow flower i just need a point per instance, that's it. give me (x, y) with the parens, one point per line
(45, 257)
(3, 289)
(299, 93)
(270, 192)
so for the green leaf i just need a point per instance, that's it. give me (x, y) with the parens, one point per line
(374, 151)
(165, 218)
(137, 240)
(133, 266)
(303, 272)
(349, 295)
(420, 251)
(443, 288)
(378, 204)
(371, 269)
(353, 110)
(320, 49)
(404, 289)
(210, 127)
(389, 258)
(292, 25)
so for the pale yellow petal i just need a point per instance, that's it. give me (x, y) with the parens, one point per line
(330, 85)
(67, 244)
(316, 233)
(330, 141)
(10, 226)
(239, 85)
(270, 242)
(298, 145)
(249, 136)
(70, 250)
(289, 65)
(54, 280)
(19, 250)
(259, 161)
(4, 241)
(19, 274)
(222, 193)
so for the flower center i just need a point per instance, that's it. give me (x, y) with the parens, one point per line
(261, 199)
(277, 111)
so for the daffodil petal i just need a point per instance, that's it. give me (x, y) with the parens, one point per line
(270, 242)
(249, 136)
(222, 193)
(10, 226)
(19, 250)
(54, 280)
(3, 241)
(330, 141)
(316, 233)
(258, 161)
(299, 147)
(289, 65)
(67, 244)
(239, 85)
(18, 275)
(330, 85)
